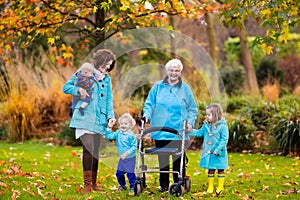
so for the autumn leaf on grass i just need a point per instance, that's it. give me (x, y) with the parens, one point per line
(197, 173)
(109, 175)
(2, 184)
(40, 192)
(243, 175)
(89, 198)
(287, 184)
(15, 194)
(267, 166)
(74, 164)
(252, 190)
(197, 194)
(2, 162)
(28, 190)
(16, 169)
(73, 153)
(54, 197)
(265, 187)
(60, 190)
(77, 190)
(245, 197)
(292, 191)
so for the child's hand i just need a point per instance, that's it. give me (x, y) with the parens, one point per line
(189, 128)
(83, 93)
(111, 123)
(215, 153)
(124, 155)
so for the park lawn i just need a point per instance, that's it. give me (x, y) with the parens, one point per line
(34, 170)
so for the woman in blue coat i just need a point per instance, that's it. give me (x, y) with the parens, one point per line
(90, 126)
(214, 152)
(170, 102)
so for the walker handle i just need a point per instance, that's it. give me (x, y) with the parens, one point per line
(185, 123)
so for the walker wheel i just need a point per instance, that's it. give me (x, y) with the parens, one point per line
(137, 188)
(187, 184)
(176, 190)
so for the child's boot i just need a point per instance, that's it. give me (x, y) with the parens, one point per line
(221, 180)
(210, 188)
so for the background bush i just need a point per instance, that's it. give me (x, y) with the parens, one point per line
(241, 131)
(284, 124)
(67, 135)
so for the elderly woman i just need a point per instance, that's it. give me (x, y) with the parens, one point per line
(90, 126)
(170, 102)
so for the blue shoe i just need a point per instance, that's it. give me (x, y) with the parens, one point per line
(121, 188)
(131, 192)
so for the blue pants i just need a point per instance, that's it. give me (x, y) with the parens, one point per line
(126, 166)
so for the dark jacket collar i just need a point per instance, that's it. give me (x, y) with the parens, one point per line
(165, 81)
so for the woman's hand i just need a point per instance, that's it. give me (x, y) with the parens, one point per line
(215, 153)
(83, 93)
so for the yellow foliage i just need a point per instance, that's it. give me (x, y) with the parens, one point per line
(95, 9)
(271, 91)
(297, 91)
(51, 41)
(268, 49)
(35, 98)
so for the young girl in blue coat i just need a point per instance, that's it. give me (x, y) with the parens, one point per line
(127, 144)
(214, 152)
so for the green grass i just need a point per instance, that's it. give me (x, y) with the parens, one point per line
(34, 170)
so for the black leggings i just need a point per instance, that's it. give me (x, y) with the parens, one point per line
(164, 161)
(90, 144)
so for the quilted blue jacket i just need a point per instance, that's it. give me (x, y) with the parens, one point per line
(169, 105)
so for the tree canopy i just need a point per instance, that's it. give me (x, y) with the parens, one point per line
(278, 17)
(21, 22)
(24, 22)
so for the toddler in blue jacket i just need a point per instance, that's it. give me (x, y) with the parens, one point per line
(127, 144)
(84, 79)
(214, 152)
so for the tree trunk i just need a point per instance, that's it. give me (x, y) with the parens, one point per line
(247, 63)
(99, 21)
(173, 54)
(214, 85)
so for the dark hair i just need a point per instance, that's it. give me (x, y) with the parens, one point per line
(102, 56)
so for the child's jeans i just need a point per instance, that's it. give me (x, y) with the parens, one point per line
(126, 166)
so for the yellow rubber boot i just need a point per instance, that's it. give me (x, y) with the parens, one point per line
(210, 188)
(221, 180)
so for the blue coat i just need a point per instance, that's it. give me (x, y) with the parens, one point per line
(169, 105)
(215, 140)
(126, 142)
(99, 110)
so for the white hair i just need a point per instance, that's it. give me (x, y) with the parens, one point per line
(174, 63)
(129, 117)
